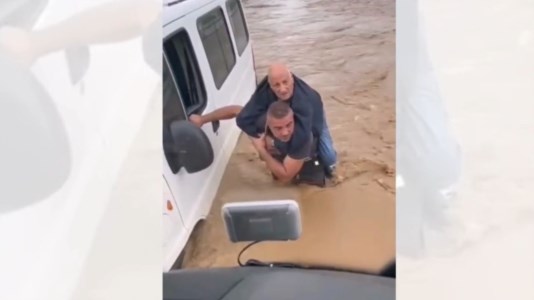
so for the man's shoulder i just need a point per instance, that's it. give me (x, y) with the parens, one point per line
(263, 93)
(305, 92)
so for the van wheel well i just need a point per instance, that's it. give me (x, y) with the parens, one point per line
(178, 264)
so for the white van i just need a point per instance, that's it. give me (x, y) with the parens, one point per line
(208, 63)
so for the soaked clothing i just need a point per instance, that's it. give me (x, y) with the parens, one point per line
(313, 171)
(306, 104)
(307, 152)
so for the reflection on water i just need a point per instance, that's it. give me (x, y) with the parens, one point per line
(345, 50)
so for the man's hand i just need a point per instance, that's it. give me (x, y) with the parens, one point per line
(285, 171)
(259, 143)
(196, 120)
(269, 145)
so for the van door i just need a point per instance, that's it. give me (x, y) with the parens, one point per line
(215, 45)
(209, 55)
(184, 94)
(228, 66)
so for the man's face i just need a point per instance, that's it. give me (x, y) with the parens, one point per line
(282, 85)
(282, 129)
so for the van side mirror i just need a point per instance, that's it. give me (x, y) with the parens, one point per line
(189, 146)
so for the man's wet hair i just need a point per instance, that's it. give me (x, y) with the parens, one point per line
(279, 109)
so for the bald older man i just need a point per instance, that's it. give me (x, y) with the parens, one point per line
(282, 85)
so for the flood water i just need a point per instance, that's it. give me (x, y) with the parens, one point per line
(345, 49)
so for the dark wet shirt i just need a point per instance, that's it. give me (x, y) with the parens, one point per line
(307, 107)
(306, 152)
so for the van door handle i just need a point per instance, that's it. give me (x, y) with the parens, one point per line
(215, 126)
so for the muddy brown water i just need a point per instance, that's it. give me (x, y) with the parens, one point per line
(346, 51)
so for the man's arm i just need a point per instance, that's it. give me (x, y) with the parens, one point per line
(223, 113)
(285, 171)
(292, 164)
(254, 109)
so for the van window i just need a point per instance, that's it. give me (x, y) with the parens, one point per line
(184, 67)
(217, 44)
(239, 26)
(173, 110)
(172, 103)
